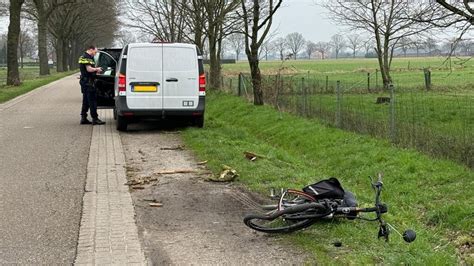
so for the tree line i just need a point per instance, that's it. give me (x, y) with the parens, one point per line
(294, 46)
(65, 27)
(243, 24)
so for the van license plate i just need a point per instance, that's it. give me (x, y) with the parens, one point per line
(142, 88)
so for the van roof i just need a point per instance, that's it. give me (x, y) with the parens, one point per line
(184, 45)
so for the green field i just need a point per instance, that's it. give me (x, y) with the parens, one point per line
(439, 122)
(406, 72)
(30, 80)
(422, 193)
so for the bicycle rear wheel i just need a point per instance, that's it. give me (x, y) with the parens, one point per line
(279, 221)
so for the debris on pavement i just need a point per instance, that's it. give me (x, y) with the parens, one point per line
(138, 187)
(228, 174)
(155, 204)
(141, 180)
(179, 148)
(177, 171)
(202, 163)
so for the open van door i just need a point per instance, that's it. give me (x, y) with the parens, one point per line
(104, 82)
(181, 77)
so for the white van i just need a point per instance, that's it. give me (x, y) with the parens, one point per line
(159, 80)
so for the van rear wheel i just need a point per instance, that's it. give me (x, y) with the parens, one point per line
(198, 121)
(122, 123)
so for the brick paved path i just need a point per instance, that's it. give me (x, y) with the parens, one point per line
(108, 233)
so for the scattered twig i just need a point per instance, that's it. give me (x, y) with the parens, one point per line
(179, 147)
(178, 171)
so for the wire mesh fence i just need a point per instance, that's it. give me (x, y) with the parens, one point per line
(440, 123)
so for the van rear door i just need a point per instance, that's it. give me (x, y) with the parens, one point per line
(145, 76)
(181, 77)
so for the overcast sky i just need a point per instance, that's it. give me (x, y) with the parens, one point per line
(302, 16)
(306, 17)
(295, 15)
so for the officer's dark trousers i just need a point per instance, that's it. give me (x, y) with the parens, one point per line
(89, 100)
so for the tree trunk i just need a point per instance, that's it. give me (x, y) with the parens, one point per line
(256, 80)
(65, 55)
(215, 64)
(13, 75)
(72, 60)
(21, 58)
(59, 55)
(43, 45)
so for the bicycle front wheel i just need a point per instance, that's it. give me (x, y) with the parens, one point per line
(278, 225)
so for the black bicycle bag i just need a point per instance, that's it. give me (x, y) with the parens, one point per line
(325, 189)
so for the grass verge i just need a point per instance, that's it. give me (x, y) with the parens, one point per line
(428, 195)
(10, 92)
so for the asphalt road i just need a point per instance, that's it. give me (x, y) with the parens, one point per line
(43, 162)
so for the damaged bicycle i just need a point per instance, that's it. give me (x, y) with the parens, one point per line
(326, 199)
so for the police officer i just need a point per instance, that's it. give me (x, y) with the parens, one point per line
(89, 92)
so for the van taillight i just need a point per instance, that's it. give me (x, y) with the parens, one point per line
(202, 85)
(122, 87)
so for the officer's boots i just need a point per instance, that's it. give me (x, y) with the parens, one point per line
(97, 121)
(85, 121)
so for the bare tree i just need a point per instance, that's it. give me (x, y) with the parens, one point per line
(3, 49)
(13, 75)
(237, 42)
(338, 43)
(323, 48)
(431, 44)
(60, 28)
(266, 49)
(92, 26)
(26, 44)
(221, 21)
(386, 21)
(466, 46)
(404, 44)
(310, 48)
(368, 45)
(165, 20)
(258, 17)
(41, 10)
(195, 18)
(463, 10)
(296, 43)
(281, 45)
(418, 45)
(354, 42)
(125, 37)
